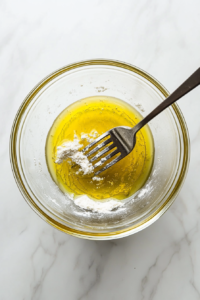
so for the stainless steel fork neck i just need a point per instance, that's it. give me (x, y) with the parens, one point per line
(183, 89)
(125, 136)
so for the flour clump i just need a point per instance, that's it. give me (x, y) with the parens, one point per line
(71, 149)
(97, 206)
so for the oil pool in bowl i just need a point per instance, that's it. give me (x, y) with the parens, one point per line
(85, 120)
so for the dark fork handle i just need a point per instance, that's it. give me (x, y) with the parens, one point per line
(183, 89)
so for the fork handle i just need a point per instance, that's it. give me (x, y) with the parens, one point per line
(192, 82)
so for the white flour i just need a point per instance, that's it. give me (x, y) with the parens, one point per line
(85, 136)
(70, 149)
(96, 178)
(89, 137)
(97, 206)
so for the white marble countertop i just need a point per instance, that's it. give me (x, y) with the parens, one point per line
(38, 262)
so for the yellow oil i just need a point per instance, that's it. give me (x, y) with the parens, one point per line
(100, 114)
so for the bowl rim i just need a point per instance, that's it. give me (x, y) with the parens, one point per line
(90, 235)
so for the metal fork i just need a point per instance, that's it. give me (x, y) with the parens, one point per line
(122, 139)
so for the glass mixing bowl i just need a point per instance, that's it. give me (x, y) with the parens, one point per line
(37, 114)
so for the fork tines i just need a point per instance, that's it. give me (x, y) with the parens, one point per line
(111, 145)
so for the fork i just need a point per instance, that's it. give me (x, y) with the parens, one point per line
(122, 139)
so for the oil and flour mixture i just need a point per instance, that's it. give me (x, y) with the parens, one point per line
(77, 126)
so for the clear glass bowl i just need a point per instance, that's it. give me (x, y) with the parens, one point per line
(48, 99)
